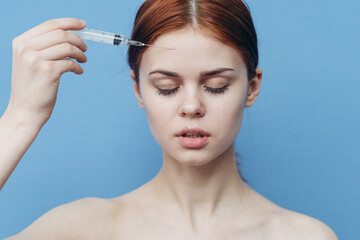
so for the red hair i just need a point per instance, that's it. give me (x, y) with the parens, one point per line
(228, 21)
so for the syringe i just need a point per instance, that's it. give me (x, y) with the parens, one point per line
(110, 38)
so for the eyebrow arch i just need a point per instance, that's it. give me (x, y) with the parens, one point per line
(164, 72)
(215, 72)
(202, 74)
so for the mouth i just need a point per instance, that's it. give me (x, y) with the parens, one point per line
(193, 138)
(192, 133)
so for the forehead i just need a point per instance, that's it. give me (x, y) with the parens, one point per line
(194, 52)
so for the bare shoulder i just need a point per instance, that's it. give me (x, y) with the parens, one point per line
(291, 225)
(69, 221)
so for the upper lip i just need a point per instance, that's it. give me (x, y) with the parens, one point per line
(192, 130)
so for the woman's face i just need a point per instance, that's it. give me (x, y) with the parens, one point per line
(194, 96)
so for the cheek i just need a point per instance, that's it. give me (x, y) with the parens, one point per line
(159, 114)
(228, 116)
(230, 107)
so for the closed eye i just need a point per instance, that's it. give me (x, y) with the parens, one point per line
(167, 92)
(216, 90)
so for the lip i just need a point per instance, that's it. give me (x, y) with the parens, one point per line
(188, 142)
(192, 130)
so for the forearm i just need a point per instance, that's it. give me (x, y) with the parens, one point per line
(16, 136)
(40, 56)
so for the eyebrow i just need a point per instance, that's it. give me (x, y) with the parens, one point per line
(202, 74)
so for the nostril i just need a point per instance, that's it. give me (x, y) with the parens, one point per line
(192, 109)
(192, 114)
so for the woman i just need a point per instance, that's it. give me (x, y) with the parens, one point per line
(194, 97)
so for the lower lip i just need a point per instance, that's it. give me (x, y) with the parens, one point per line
(193, 142)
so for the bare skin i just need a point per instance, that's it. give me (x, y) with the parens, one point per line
(38, 63)
(132, 216)
(198, 193)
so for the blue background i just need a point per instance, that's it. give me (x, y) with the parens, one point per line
(300, 143)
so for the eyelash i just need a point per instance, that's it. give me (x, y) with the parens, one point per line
(208, 89)
(167, 91)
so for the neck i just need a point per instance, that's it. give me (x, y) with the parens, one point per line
(200, 192)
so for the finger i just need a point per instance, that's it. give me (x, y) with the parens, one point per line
(50, 25)
(63, 50)
(56, 37)
(68, 65)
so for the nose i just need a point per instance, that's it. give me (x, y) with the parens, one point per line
(192, 106)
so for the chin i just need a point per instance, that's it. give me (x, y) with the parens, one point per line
(194, 163)
(192, 158)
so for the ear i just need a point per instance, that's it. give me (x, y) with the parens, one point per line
(137, 89)
(254, 88)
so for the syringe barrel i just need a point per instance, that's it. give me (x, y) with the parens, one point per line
(102, 37)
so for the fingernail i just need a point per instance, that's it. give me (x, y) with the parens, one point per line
(83, 23)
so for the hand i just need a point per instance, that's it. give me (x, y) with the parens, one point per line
(40, 56)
